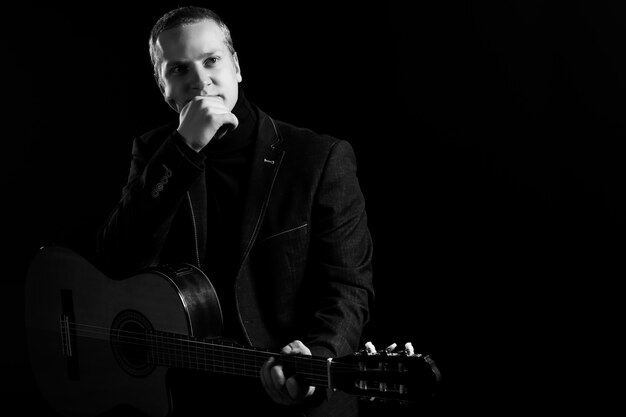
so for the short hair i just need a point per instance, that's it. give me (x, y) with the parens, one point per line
(182, 16)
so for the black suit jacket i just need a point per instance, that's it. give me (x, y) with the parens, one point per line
(304, 253)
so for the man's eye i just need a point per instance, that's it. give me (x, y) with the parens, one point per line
(211, 61)
(176, 70)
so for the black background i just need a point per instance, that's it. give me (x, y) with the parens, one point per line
(490, 141)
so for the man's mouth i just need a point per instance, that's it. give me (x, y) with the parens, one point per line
(212, 95)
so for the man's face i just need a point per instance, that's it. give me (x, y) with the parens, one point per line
(196, 62)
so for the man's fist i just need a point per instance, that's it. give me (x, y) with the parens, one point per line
(286, 391)
(201, 119)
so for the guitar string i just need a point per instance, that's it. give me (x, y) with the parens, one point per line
(220, 352)
(178, 348)
(175, 336)
(235, 368)
(313, 378)
(166, 339)
(222, 363)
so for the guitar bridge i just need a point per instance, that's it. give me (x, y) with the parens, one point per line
(68, 342)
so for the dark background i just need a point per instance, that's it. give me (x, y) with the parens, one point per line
(490, 140)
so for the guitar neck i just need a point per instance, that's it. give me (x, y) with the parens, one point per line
(181, 351)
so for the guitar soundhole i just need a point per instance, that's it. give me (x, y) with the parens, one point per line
(129, 340)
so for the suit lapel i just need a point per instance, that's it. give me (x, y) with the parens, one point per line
(266, 161)
(197, 201)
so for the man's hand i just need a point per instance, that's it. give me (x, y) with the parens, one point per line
(201, 118)
(286, 391)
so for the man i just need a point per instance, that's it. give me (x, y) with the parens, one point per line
(272, 213)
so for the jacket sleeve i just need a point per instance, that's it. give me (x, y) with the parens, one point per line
(341, 267)
(134, 233)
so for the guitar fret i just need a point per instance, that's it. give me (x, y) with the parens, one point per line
(151, 348)
(180, 360)
(161, 354)
(183, 353)
(188, 350)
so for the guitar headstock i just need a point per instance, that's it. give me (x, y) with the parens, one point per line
(390, 374)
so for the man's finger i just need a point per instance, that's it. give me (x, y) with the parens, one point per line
(215, 103)
(278, 377)
(266, 381)
(296, 348)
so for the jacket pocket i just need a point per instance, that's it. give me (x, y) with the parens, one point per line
(293, 229)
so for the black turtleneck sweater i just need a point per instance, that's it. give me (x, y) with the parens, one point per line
(227, 169)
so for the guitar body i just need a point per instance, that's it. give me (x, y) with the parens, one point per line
(94, 373)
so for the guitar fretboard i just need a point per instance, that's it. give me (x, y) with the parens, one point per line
(216, 356)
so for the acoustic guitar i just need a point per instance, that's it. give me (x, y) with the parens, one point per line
(95, 343)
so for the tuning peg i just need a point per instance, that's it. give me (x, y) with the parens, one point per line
(369, 348)
(390, 348)
(408, 349)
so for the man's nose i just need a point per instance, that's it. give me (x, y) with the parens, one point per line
(199, 77)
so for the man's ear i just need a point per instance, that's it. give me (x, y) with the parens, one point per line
(237, 67)
(157, 79)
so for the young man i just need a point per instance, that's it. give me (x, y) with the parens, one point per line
(272, 213)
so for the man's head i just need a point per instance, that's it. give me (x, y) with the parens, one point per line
(193, 55)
